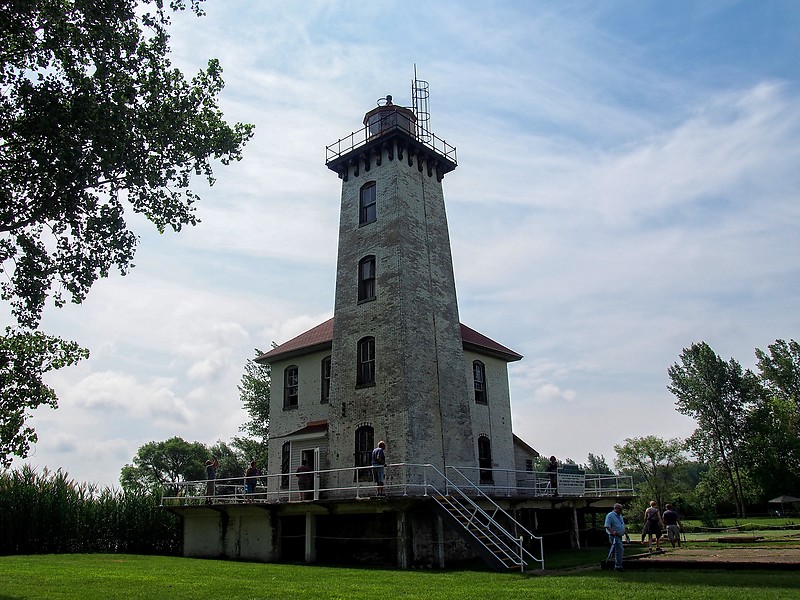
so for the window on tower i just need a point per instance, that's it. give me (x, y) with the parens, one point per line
(325, 393)
(366, 361)
(290, 387)
(365, 443)
(366, 278)
(367, 204)
(479, 379)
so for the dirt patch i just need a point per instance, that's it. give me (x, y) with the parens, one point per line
(789, 555)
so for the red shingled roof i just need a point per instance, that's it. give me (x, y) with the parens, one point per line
(321, 337)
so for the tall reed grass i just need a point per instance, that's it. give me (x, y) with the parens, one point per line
(48, 512)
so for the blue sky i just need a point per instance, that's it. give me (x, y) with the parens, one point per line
(627, 185)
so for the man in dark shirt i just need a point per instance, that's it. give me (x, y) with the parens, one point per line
(671, 520)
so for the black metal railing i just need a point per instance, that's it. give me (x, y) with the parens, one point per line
(389, 121)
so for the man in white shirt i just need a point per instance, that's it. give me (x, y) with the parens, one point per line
(615, 527)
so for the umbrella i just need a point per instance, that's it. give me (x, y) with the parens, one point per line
(784, 499)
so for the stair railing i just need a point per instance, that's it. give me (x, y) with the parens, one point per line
(509, 544)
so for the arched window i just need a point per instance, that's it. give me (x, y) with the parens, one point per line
(367, 204)
(365, 443)
(325, 378)
(479, 378)
(485, 459)
(290, 387)
(366, 278)
(365, 375)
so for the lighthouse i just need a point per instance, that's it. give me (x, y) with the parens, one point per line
(394, 363)
(397, 353)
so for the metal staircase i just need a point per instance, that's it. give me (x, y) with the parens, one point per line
(487, 534)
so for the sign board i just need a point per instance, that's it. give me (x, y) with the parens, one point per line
(571, 481)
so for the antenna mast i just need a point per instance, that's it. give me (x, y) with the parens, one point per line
(419, 98)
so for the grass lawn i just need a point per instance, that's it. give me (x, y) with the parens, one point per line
(102, 577)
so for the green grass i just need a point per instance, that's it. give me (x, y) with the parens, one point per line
(103, 576)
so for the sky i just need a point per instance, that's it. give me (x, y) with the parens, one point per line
(628, 184)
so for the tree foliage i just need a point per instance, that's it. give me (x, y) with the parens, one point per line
(93, 118)
(157, 463)
(95, 124)
(596, 463)
(718, 396)
(24, 358)
(655, 460)
(773, 425)
(254, 394)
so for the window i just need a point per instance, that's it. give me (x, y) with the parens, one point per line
(366, 361)
(367, 208)
(290, 387)
(479, 378)
(485, 459)
(325, 377)
(365, 443)
(366, 278)
(285, 457)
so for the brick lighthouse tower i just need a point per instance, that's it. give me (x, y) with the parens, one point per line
(397, 362)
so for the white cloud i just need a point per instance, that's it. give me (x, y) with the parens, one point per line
(124, 397)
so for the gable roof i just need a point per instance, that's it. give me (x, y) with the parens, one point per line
(321, 338)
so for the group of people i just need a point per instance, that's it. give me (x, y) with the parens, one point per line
(654, 524)
(304, 473)
(250, 478)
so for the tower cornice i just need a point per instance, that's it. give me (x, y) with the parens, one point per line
(365, 147)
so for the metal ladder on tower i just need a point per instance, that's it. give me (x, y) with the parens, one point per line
(484, 532)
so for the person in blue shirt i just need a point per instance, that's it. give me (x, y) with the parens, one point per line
(615, 527)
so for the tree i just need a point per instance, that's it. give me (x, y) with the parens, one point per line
(94, 117)
(235, 457)
(95, 123)
(254, 394)
(655, 460)
(159, 463)
(773, 425)
(597, 464)
(780, 370)
(24, 359)
(718, 396)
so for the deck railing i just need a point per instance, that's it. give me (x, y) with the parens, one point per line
(402, 479)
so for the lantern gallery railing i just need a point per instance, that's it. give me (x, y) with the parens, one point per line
(402, 479)
(389, 121)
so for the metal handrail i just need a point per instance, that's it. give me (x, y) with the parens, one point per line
(360, 137)
(408, 478)
(499, 509)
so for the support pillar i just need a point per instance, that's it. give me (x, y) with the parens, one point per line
(403, 560)
(311, 533)
(575, 530)
(440, 541)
